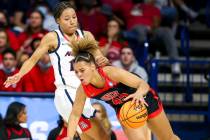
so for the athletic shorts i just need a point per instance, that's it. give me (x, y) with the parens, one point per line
(64, 99)
(155, 106)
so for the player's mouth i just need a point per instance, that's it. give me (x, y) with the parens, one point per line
(81, 80)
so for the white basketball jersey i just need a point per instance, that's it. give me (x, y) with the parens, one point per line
(61, 59)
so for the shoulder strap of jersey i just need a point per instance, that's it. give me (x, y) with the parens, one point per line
(60, 34)
(100, 70)
(80, 33)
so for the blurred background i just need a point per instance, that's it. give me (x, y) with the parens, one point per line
(166, 42)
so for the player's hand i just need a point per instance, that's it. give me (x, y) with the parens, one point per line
(12, 80)
(136, 99)
(101, 61)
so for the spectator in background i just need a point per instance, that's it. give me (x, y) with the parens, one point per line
(128, 62)
(101, 114)
(49, 21)
(22, 58)
(17, 11)
(4, 43)
(189, 12)
(4, 23)
(23, 54)
(35, 27)
(91, 19)
(143, 19)
(3, 135)
(169, 13)
(113, 42)
(31, 47)
(43, 71)
(9, 68)
(60, 131)
(15, 115)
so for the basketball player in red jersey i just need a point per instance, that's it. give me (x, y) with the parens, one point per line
(58, 44)
(115, 86)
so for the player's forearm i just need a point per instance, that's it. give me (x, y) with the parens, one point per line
(27, 66)
(72, 125)
(143, 88)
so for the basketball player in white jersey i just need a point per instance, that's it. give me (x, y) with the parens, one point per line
(58, 44)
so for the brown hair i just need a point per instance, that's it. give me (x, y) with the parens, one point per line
(61, 6)
(83, 45)
(82, 49)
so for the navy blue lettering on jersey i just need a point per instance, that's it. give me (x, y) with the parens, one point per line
(68, 53)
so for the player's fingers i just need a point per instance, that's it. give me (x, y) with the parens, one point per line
(137, 102)
(143, 101)
(7, 82)
(101, 61)
(133, 101)
(128, 97)
(10, 80)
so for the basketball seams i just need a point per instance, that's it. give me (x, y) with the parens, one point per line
(126, 121)
(134, 115)
(129, 109)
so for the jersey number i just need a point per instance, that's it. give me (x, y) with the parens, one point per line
(119, 99)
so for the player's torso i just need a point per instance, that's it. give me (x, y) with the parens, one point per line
(115, 95)
(112, 93)
(61, 59)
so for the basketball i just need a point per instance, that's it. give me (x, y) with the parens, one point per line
(133, 116)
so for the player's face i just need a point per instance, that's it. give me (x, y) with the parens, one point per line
(68, 21)
(84, 71)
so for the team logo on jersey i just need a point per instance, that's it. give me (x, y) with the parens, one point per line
(111, 84)
(83, 125)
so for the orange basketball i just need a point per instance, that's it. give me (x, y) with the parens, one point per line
(133, 116)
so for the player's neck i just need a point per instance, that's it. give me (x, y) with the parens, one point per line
(98, 81)
(68, 36)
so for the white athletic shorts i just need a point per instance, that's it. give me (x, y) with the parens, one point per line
(64, 98)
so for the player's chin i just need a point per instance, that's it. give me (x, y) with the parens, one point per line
(72, 30)
(84, 82)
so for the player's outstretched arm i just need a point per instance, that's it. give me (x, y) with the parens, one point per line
(131, 80)
(75, 115)
(47, 43)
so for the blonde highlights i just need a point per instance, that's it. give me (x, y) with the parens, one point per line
(85, 44)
